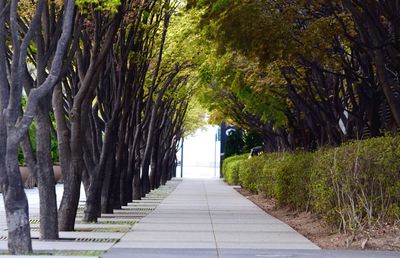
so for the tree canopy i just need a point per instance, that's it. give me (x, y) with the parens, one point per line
(118, 84)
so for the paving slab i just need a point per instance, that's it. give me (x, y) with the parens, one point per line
(97, 237)
(133, 246)
(93, 226)
(162, 253)
(92, 235)
(242, 253)
(52, 246)
(203, 216)
(46, 256)
(175, 236)
(175, 227)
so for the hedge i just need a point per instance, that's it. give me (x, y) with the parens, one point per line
(230, 168)
(353, 186)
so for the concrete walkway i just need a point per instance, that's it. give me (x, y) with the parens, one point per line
(207, 216)
(200, 218)
(208, 219)
(88, 238)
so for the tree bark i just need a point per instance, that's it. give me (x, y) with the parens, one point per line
(45, 178)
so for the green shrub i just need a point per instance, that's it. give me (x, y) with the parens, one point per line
(250, 171)
(268, 179)
(357, 184)
(352, 186)
(292, 180)
(230, 168)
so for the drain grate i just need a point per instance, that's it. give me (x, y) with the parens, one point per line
(105, 230)
(96, 240)
(76, 253)
(117, 222)
(143, 209)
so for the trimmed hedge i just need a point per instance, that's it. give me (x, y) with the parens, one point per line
(230, 168)
(352, 186)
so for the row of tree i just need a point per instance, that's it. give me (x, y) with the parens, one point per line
(96, 78)
(303, 74)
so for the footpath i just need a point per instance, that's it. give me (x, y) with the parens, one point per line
(208, 219)
(196, 218)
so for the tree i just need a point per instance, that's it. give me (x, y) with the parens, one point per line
(17, 124)
(301, 69)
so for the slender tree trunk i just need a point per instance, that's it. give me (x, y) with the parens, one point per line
(72, 180)
(4, 93)
(45, 178)
(30, 160)
(70, 200)
(387, 86)
(16, 204)
(106, 205)
(154, 163)
(136, 185)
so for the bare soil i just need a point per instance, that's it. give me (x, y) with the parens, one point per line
(384, 237)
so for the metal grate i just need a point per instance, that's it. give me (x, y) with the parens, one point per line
(144, 209)
(96, 240)
(117, 222)
(117, 230)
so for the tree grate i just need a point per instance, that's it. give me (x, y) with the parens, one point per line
(144, 209)
(127, 217)
(118, 230)
(77, 253)
(96, 240)
(117, 222)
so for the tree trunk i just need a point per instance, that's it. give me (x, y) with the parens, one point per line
(30, 160)
(387, 86)
(72, 180)
(4, 92)
(45, 178)
(136, 185)
(16, 204)
(154, 163)
(70, 200)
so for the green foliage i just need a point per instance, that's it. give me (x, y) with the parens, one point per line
(195, 117)
(358, 184)
(219, 5)
(292, 175)
(254, 42)
(251, 139)
(101, 5)
(32, 137)
(249, 173)
(352, 187)
(230, 167)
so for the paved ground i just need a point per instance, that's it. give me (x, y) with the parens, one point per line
(208, 219)
(88, 238)
(202, 218)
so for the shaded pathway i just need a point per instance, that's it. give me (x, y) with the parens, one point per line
(206, 218)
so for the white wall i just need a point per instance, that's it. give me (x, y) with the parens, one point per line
(201, 154)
